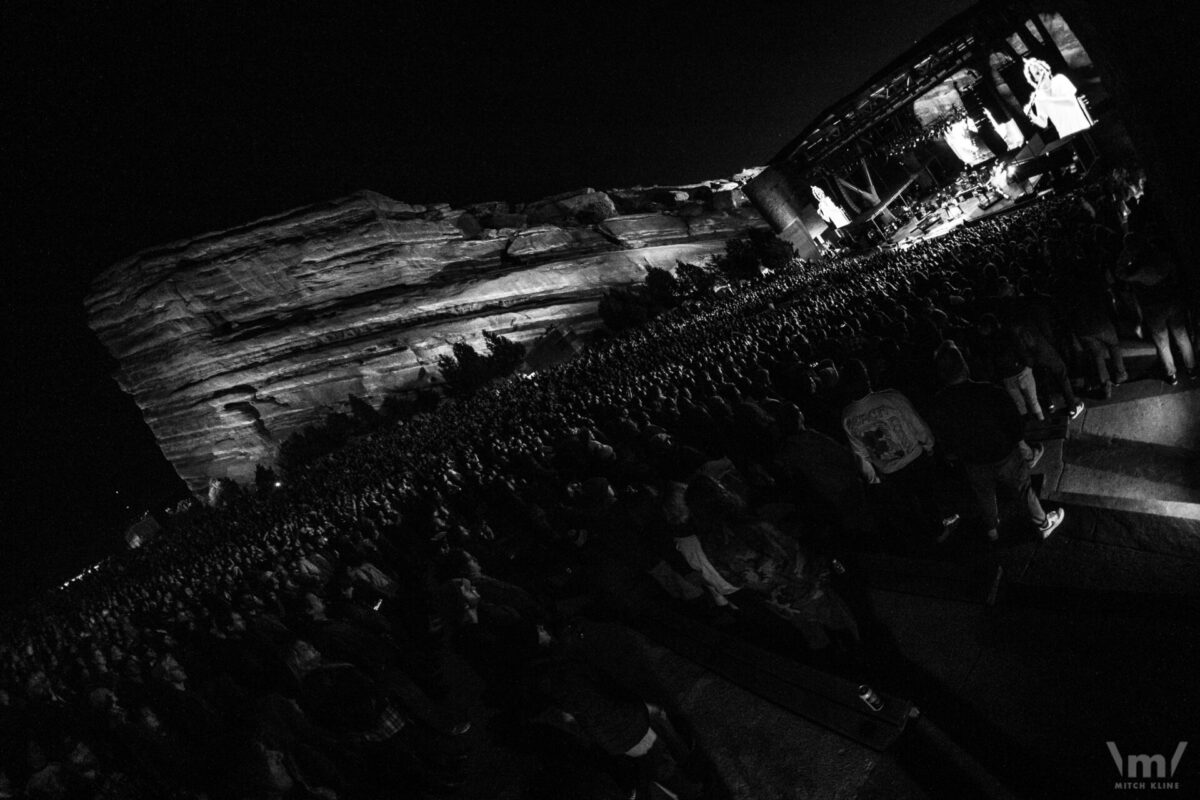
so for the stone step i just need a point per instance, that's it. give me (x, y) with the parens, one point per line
(1144, 411)
(753, 746)
(827, 700)
(1095, 566)
(1141, 505)
(1139, 452)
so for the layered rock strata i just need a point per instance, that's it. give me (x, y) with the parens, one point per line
(231, 341)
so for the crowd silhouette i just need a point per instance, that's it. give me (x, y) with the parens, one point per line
(438, 588)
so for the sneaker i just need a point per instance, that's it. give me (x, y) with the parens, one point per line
(1118, 380)
(1053, 520)
(1172, 380)
(1076, 410)
(948, 526)
(1039, 450)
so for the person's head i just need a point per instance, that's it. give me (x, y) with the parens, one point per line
(459, 563)
(1134, 241)
(104, 702)
(827, 373)
(314, 607)
(1036, 71)
(707, 497)
(856, 379)
(82, 758)
(147, 719)
(266, 769)
(132, 670)
(597, 492)
(673, 503)
(302, 657)
(38, 686)
(170, 671)
(951, 366)
(544, 638)
(98, 659)
(988, 324)
(790, 418)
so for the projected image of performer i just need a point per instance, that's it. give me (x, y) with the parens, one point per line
(828, 210)
(1055, 99)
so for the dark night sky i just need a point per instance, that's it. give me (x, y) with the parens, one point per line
(138, 123)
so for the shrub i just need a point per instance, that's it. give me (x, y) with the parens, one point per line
(747, 256)
(663, 288)
(465, 371)
(625, 307)
(695, 280)
(631, 306)
(366, 418)
(308, 444)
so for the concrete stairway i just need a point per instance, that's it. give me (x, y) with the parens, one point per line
(1138, 451)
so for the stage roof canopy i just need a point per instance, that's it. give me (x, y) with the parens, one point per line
(922, 67)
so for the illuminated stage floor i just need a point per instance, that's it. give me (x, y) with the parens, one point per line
(912, 232)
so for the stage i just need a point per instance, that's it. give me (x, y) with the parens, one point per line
(997, 186)
(939, 223)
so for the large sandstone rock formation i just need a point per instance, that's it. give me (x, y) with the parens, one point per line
(231, 341)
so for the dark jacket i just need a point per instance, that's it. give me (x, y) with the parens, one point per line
(610, 717)
(1001, 354)
(976, 422)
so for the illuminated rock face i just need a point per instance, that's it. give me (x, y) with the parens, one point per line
(231, 341)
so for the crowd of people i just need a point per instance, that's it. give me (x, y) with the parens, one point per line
(408, 602)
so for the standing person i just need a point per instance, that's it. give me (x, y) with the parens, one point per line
(1092, 323)
(892, 440)
(812, 460)
(1028, 317)
(1002, 358)
(1145, 264)
(976, 423)
(641, 744)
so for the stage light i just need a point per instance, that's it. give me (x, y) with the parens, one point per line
(278, 484)
(1009, 131)
(963, 138)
